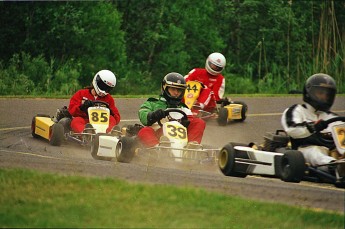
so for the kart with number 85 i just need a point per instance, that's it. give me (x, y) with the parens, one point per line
(57, 130)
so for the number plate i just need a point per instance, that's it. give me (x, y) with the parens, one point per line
(175, 130)
(338, 133)
(99, 115)
(192, 93)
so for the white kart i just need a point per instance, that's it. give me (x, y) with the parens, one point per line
(275, 158)
(174, 142)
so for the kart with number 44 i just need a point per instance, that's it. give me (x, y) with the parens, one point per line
(225, 112)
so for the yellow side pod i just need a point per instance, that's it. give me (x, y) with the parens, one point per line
(43, 126)
(234, 111)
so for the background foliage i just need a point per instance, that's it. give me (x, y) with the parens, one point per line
(270, 46)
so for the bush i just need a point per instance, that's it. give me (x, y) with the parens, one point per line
(239, 85)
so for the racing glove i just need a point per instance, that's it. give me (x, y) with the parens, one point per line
(317, 126)
(86, 105)
(155, 116)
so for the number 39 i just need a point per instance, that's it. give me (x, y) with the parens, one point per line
(177, 132)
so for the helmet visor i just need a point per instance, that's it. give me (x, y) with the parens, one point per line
(215, 67)
(175, 91)
(103, 86)
(322, 95)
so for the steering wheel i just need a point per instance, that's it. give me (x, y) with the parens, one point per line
(101, 103)
(171, 110)
(324, 140)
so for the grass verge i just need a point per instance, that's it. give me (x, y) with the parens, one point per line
(38, 200)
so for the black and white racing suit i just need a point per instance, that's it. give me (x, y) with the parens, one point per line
(294, 122)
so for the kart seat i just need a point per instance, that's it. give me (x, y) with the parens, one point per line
(274, 141)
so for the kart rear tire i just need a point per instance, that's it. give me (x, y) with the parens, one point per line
(339, 184)
(243, 111)
(226, 161)
(94, 148)
(57, 135)
(128, 150)
(292, 166)
(222, 116)
(33, 124)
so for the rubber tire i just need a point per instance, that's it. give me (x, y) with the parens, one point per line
(292, 166)
(57, 135)
(340, 184)
(94, 149)
(128, 149)
(66, 123)
(226, 161)
(243, 111)
(33, 124)
(222, 116)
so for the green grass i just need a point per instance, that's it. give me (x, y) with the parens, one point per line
(38, 200)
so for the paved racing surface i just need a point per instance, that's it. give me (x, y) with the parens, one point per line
(18, 149)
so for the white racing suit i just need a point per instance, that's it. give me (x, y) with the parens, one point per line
(294, 122)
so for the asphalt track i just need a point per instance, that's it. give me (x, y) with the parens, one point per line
(18, 149)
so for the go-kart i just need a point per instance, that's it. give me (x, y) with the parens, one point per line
(56, 130)
(226, 110)
(173, 145)
(275, 158)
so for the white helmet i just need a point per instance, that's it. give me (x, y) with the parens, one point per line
(103, 82)
(215, 63)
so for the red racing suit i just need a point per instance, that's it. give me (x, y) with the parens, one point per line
(80, 118)
(214, 86)
(150, 137)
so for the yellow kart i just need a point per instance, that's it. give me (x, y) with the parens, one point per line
(225, 111)
(104, 146)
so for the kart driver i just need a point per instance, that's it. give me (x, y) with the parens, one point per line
(301, 121)
(212, 79)
(172, 90)
(103, 82)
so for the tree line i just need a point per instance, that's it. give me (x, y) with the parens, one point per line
(56, 47)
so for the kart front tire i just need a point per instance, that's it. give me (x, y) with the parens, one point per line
(128, 150)
(292, 166)
(222, 116)
(56, 135)
(226, 161)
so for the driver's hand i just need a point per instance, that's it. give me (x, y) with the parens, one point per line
(86, 105)
(317, 126)
(320, 125)
(155, 116)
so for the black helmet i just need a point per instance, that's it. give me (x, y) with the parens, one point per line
(319, 91)
(175, 80)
